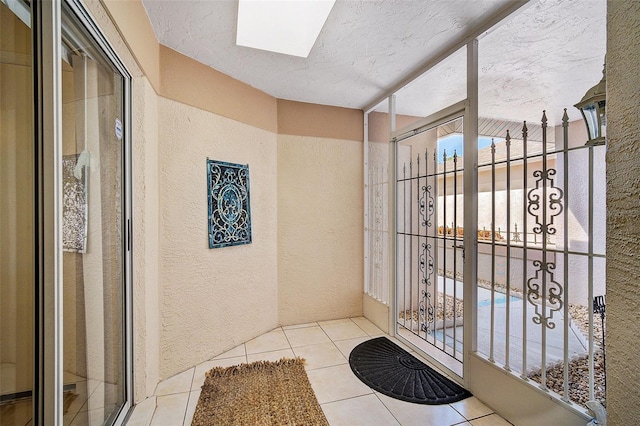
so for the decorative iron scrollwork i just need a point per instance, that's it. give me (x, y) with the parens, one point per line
(555, 195)
(553, 293)
(425, 306)
(427, 205)
(426, 202)
(544, 203)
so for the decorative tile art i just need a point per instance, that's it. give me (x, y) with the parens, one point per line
(229, 208)
(74, 207)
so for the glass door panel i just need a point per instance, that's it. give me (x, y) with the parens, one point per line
(17, 255)
(93, 251)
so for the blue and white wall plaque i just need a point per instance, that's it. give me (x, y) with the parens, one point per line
(229, 208)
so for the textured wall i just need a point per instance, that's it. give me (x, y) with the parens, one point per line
(146, 309)
(212, 300)
(623, 212)
(320, 229)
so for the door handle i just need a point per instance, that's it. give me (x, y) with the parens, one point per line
(459, 246)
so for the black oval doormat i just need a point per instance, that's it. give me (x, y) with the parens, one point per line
(384, 366)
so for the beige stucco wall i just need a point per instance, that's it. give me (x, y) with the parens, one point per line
(320, 228)
(623, 212)
(146, 308)
(190, 302)
(212, 299)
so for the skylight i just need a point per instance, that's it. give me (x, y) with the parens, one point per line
(282, 26)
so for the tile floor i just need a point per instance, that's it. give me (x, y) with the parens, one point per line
(344, 399)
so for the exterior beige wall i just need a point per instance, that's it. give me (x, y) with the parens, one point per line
(212, 300)
(623, 193)
(320, 228)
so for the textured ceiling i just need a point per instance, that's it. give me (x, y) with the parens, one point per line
(545, 56)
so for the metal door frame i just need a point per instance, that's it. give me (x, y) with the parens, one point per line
(48, 345)
(456, 111)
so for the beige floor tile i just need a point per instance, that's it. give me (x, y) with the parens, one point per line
(335, 321)
(170, 409)
(346, 346)
(320, 356)
(191, 407)
(335, 383)
(364, 410)
(490, 420)
(143, 413)
(294, 326)
(409, 414)
(368, 327)
(201, 369)
(235, 352)
(272, 341)
(471, 408)
(177, 384)
(271, 356)
(306, 336)
(343, 330)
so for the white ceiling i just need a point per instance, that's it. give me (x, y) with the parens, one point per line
(544, 56)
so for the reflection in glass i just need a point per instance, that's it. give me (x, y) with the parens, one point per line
(93, 280)
(16, 217)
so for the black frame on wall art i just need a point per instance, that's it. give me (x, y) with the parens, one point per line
(229, 209)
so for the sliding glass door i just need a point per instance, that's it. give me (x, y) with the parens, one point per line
(93, 228)
(65, 217)
(17, 235)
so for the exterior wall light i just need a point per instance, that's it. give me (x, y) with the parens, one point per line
(593, 109)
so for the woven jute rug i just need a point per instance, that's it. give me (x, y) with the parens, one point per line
(260, 393)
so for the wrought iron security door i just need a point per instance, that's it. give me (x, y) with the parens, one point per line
(429, 246)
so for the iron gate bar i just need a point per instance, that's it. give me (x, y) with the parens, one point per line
(508, 279)
(549, 250)
(418, 245)
(427, 205)
(411, 241)
(538, 155)
(404, 251)
(435, 234)
(455, 247)
(524, 250)
(493, 248)
(544, 228)
(565, 143)
(444, 250)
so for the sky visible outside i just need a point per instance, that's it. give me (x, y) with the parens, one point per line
(453, 142)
